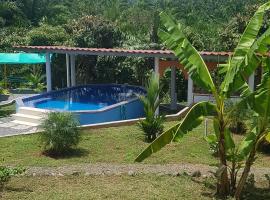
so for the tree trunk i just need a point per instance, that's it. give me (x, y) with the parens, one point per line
(223, 187)
(233, 178)
(245, 173)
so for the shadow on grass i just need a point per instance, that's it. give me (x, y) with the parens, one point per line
(253, 190)
(71, 153)
(17, 189)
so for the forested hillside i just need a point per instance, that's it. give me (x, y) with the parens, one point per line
(212, 25)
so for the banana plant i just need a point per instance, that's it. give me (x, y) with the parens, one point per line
(259, 102)
(240, 65)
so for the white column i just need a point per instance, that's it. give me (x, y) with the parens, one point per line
(73, 71)
(251, 82)
(190, 91)
(157, 72)
(48, 72)
(68, 70)
(173, 92)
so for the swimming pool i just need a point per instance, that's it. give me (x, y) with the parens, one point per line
(90, 104)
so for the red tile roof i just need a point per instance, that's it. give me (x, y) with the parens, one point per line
(112, 52)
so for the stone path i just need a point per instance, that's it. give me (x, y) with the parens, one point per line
(9, 128)
(119, 169)
(103, 169)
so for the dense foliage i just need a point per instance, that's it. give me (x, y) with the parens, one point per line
(209, 24)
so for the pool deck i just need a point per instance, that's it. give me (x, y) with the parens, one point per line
(13, 97)
(9, 128)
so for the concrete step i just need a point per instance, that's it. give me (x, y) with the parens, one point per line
(28, 118)
(25, 123)
(32, 111)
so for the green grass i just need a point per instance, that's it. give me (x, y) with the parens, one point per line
(105, 187)
(115, 145)
(109, 145)
(6, 111)
(122, 187)
(112, 145)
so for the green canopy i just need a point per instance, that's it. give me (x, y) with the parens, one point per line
(22, 58)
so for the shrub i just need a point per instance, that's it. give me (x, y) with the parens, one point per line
(60, 133)
(6, 173)
(152, 125)
(238, 118)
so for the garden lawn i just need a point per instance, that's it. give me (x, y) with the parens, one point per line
(105, 187)
(111, 145)
(121, 187)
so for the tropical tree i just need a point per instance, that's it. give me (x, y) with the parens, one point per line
(35, 80)
(259, 102)
(152, 125)
(240, 65)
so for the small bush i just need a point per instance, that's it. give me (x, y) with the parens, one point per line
(6, 173)
(238, 118)
(60, 133)
(152, 125)
(238, 127)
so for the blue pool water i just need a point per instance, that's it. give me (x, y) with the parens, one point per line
(92, 104)
(67, 105)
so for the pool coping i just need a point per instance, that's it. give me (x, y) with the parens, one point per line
(171, 117)
(178, 116)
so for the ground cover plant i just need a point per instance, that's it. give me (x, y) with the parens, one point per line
(243, 62)
(6, 173)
